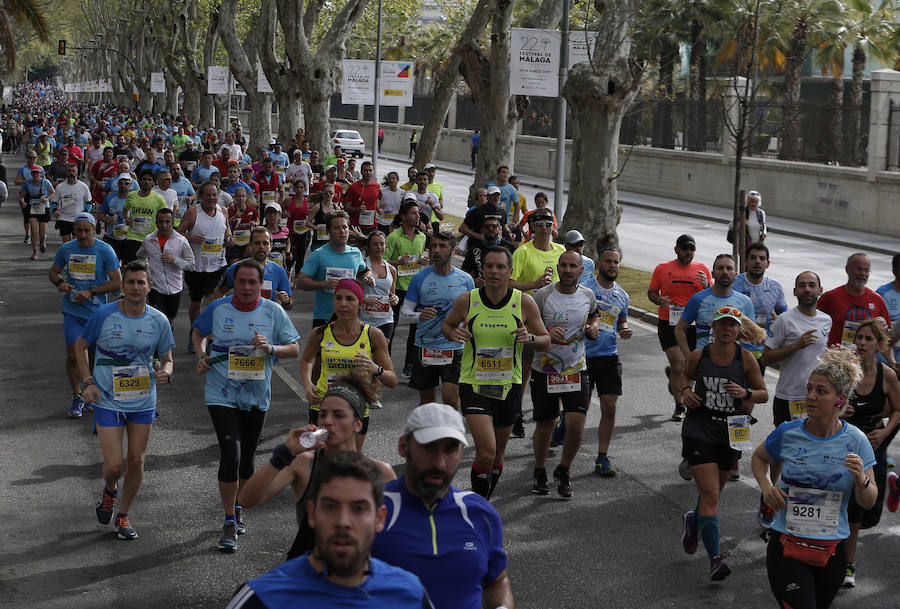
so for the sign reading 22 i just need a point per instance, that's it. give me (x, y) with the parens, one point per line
(532, 43)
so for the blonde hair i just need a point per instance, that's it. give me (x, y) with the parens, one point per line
(750, 332)
(881, 332)
(841, 368)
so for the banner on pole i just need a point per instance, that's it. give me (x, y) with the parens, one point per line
(358, 82)
(262, 83)
(534, 62)
(157, 82)
(581, 47)
(396, 83)
(217, 80)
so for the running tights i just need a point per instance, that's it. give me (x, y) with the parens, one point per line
(797, 585)
(238, 432)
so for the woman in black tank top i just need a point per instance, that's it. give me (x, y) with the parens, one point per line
(293, 465)
(722, 383)
(877, 396)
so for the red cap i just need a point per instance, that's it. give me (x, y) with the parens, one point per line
(352, 285)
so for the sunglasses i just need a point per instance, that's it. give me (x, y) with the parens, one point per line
(542, 223)
(687, 247)
(728, 311)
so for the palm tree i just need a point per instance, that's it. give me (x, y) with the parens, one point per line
(27, 13)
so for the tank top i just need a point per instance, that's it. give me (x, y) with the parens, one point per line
(279, 243)
(209, 256)
(709, 422)
(338, 359)
(867, 408)
(320, 234)
(306, 535)
(377, 315)
(492, 359)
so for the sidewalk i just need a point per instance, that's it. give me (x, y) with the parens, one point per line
(778, 225)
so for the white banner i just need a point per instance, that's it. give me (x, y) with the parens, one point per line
(358, 82)
(396, 83)
(217, 80)
(8, 94)
(157, 82)
(534, 62)
(262, 83)
(581, 47)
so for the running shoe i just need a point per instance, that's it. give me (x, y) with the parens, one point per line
(34, 256)
(518, 430)
(43, 246)
(766, 515)
(679, 414)
(87, 407)
(893, 498)
(559, 433)
(690, 535)
(239, 525)
(718, 570)
(668, 379)
(563, 483)
(684, 470)
(539, 482)
(850, 576)
(124, 529)
(27, 240)
(735, 474)
(407, 371)
(106, 506)
(890, 463)
(76, 407)
(376, 404)
(228, 541)
(603, 467)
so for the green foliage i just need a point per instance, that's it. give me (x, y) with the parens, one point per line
(398, 27)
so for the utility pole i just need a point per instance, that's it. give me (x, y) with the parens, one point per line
(561, 115)
(377, 95)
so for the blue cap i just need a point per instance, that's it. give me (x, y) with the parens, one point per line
(86, 217)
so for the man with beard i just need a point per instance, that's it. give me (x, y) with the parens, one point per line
(463, 561)
(276, 285)
(849, 304)
(474, 261)
(346, 510)
(765, 293)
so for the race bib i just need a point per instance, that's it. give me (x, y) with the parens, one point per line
(241, 237)
(739, 432)
(131, 383)
(120, 231)
(437, 357)
(266, 291)
(811, 511)
(608, 318)
(321, 232)
(300, 227)
(282, 221)
(268, 196)
(494, 364)
(563, 383)
(211, 248)
(141, 224)
(407, 270)
(337, 272)
(37, 207)
(798, 409)
(246, 363)
(848, 336)
(675, 314)
(279, 170)
(82, 266)
(277, 258)
(367, 217)
(190, 166)
(386, 217)
(378, 307)
(495, 392)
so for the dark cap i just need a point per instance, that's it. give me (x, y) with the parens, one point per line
(685, 240)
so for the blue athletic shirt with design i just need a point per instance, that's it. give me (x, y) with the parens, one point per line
(891, 297)
(766, 297)
(125, 348)
(613, 301)
(274, 274)
(703, 305)
(85, 268)
(113, 204)
(455, 547)
(296, 583)
(231, 327)
(325, 263)
(812, 462)
(429, 289)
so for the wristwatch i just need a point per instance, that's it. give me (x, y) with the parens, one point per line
(749, 393)
(531, 338)
(379, 373)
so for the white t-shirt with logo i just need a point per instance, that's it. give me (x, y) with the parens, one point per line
(795, 368)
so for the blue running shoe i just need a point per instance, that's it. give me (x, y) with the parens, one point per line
(718, 570)
(559, 433)
(76, 408)
(239, 520)
(690, 537)
(603, 467)
(106, 506)
(124, 529)
(228, 541)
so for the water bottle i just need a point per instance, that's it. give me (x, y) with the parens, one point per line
(308, 439)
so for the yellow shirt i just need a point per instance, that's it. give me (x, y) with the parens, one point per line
(529, 263)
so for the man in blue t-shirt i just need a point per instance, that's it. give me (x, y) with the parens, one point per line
(890, 292)
(340, 571)
(429, 297)
(765, 293)
(462, 561)
(327, 265)
(84, 271)
(508, 193)
(276, 285)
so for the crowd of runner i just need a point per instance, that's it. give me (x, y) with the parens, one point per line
(148, 207)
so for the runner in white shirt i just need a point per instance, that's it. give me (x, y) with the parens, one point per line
(164, 189)
(389, 200)
(69, 199)
(169, 254)
(299, 168)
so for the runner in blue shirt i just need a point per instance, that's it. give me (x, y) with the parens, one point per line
(249, 332)
(276, 285)
(451, 539)
(890, 292)
(430, 296)
(765, 293)
(84, 271)
(126, 334)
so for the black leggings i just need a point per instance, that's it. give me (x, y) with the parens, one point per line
(238, 432)
(299, 243)
(797, 585)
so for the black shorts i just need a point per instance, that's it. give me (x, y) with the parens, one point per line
(502, 411)
(166, 303)
(129, 249)
(314, 419)
(605, 373)
(781, 411)
(116, 244)
(546, 404)
(65, 227)
(201, 283)
(666, 334)
(856, 513)
(428, 377)
(44, 217)
(698, 452)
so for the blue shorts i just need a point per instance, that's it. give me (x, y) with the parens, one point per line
(73, 327)
(104, 417)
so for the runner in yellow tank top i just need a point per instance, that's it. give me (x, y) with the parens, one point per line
(493, 322)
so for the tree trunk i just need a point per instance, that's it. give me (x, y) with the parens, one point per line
(320, 83)
(835, 129)
(854, 131)
(599, 95)
(663, 135)
(790, 134)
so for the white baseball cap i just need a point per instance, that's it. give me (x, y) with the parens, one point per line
(434, 421)
(493, 189)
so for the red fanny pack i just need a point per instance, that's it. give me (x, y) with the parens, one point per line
(815, 553)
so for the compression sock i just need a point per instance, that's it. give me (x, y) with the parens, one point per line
(495, 478)
(708, 527)
(481, 483)
(696, 511)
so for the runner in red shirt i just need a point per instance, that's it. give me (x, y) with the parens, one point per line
(298, 212)
(361, 199)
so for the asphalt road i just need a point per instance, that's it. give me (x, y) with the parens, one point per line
(615, 544)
